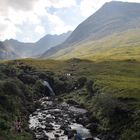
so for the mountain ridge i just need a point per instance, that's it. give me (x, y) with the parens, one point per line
(112, 17)
(25, 49)
(6, 53)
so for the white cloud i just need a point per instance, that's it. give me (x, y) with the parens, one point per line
(58, 24)
(57, 3)
(7, 29)
(88, 7)
(17, 4)
(16, 14)
(40, 29)
(138, 1)
(63, 3)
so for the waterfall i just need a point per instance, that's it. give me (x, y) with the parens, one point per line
(45, 83)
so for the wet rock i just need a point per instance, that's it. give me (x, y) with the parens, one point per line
(63, 127)
(79, 120)
(72, 102)
(83, 120)
(39, 130)
(40, 120)
(56, 135)
(27, 79)
(71, 134)
(57, 118)
(43, 137)
(49, 127)
(93, 127)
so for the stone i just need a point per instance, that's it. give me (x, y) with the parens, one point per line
(27, 79)
(93, 127)
(72, 102)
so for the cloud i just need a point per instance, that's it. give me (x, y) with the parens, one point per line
(7, 29)
(57, 3)
(24, 19)
(40, 29)
(63, 3)
(16, 4)
(58, 24)
(138, 1)
(88, 7)
(14, 14)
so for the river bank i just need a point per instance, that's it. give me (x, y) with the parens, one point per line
(58, 120)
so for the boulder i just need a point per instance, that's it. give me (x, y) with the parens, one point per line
(72, 102)
(27, 79)
(48, 127)
(92, 127)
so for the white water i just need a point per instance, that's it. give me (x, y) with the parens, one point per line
(45, 83)
(53, 116)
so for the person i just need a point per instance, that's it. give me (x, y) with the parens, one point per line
(18, 125)
(77, 136)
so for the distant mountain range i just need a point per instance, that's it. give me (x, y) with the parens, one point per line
(6, 53)
(118, 21)
(113, 31)
(12, 49)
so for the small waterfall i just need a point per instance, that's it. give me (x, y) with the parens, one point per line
(45, 83)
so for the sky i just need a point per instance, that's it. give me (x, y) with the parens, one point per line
(29, 20)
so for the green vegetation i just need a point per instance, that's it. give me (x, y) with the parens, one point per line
(108, 89)
(16, 100)
(98, 66)
(118, 46)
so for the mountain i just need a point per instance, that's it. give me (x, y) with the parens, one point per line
(49, 41)
(6, 53)
(111, 19)
(25, 50)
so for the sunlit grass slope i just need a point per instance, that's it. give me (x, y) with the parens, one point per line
(115, 79)
(121, 78)
(119, 46)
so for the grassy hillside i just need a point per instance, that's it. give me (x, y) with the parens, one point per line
(114, 76)
(110, 85)
(112, 18)
(115, 86)
(125, 45)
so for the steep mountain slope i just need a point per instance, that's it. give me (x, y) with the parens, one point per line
(49, 41)
(32, 49)
(113, 17)
(6, 53)
(24, 49)
(125, 45)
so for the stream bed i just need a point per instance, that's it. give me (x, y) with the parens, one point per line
(56, 120)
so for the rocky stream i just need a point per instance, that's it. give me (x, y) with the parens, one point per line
(57, 120)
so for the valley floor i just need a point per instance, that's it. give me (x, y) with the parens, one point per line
(109, 90)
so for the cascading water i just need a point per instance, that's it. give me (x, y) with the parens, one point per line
(56, 120)
(46, 83)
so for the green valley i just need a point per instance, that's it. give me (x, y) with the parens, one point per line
(83, 84)
(119, 46)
